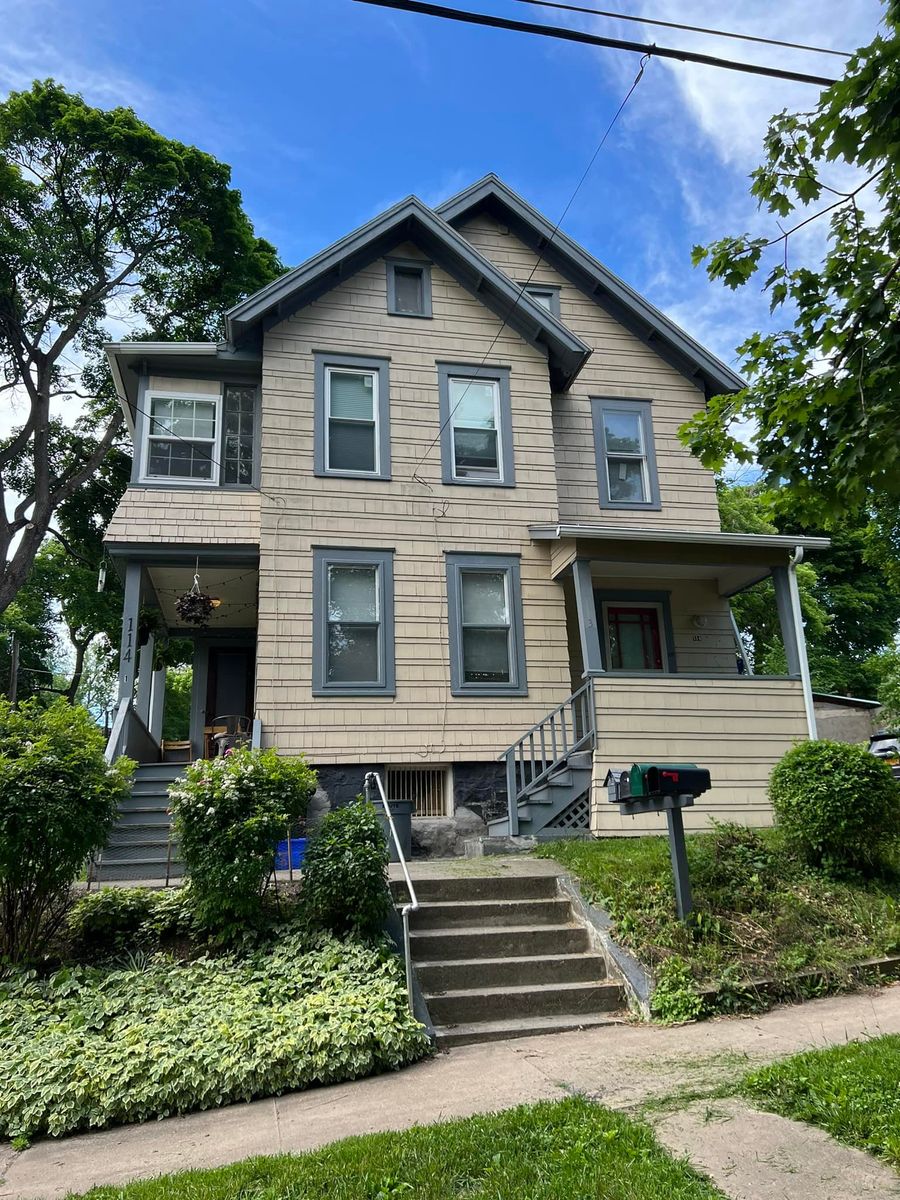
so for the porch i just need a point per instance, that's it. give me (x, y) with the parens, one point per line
(222, 651)
(659, 673)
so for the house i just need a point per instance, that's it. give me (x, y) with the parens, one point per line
(433, 481)
(846, 718)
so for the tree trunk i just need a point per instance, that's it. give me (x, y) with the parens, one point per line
(80, 651)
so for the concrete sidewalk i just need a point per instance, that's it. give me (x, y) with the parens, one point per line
(620, 1066)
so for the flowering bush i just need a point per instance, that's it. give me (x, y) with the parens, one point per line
(228, 814)
(58, 801)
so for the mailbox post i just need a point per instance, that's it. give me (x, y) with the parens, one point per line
(668, 788)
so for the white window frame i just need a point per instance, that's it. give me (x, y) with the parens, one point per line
(376, 412)
(147, 437)
(498, 429)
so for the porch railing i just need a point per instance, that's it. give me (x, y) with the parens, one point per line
(374, 787)
(570, 727)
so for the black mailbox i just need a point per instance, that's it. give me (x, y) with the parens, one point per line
(676, 779)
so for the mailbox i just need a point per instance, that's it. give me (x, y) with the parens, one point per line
(668, 779)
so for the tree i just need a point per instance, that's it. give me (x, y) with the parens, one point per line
(850, 608)
(823, 395)
(98, 209)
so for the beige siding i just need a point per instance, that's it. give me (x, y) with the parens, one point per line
(738, 728)
(621, 365)
(415, 515)
(216, 516)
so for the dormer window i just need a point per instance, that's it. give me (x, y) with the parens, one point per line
(408, 287)
(545, 294)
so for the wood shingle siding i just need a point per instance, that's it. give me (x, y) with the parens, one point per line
(621, 365)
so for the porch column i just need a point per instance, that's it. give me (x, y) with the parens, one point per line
(591, 654)
(199, 676)
(157, 703)
(145, 680)
(787, 599)
(130, 608)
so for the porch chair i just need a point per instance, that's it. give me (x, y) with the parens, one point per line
(231, 731)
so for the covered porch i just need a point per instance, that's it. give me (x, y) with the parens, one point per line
(650, 625)
(222, 653)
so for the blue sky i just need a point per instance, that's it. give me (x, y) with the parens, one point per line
(328, 111)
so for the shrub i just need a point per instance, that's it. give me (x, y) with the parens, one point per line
(108, 922)
(836, 804)
(345, 880)
(228, 814)
(87, 1047)
(58, 801)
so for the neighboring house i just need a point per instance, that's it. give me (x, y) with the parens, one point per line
(434, 507)
(846, 718)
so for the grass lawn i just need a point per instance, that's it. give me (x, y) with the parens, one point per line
(758, 911)
(568, 1150)
(852, 1092)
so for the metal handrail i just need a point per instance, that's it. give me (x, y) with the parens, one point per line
(373, 783)
(547, 745)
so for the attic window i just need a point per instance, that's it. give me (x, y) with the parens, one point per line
(408, 288)
(545, 294)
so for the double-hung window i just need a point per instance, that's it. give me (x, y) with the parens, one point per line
(408, 287)
(199, 439)
(626, 460)
(353, 622)
(182, 443)
(487, 647)
(352, 419)
(476, 425)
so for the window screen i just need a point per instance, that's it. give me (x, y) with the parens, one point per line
(352, 405)
(409, 290)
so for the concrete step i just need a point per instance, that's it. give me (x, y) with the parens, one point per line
(542, 1000)
(513, 971)
(444, 914)
(481, 887)
(494, 1031)
(453, 945)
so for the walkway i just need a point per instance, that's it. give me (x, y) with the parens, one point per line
(621, 1067)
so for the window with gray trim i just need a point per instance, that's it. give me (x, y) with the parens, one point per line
(487, 638)
(476, 425)
(408, 287)
(626, 457)
(353, 622)
(352, 416)
(546, 294)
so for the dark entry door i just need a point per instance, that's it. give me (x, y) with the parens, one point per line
(229, 683)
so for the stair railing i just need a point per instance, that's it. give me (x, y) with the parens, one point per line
(570, 727)
(375, 786)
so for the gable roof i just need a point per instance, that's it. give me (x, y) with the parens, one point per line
(492, 196)
(411, 220)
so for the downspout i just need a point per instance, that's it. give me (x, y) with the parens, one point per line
(803, 661)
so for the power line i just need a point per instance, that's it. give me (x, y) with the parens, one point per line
(590, 39)
(742, 37)
(538, 259)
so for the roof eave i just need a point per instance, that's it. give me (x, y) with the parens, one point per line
(564, 530)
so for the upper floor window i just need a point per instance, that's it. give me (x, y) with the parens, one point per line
(476, 425)
(353, 622)
(487, 647)
(196, 438)
(352, 434)
(408, 287)
(546, 294)
(626, 459)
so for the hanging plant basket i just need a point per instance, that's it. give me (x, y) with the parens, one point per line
(194, 608)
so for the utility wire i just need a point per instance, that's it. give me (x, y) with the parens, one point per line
(590, 39)
(742, 37)
(538, 259)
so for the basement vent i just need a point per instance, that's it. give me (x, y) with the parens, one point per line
(427, 787)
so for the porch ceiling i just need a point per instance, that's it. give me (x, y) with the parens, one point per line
(236, 586)
(729, 578)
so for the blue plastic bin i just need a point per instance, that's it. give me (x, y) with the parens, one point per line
(298, 850)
